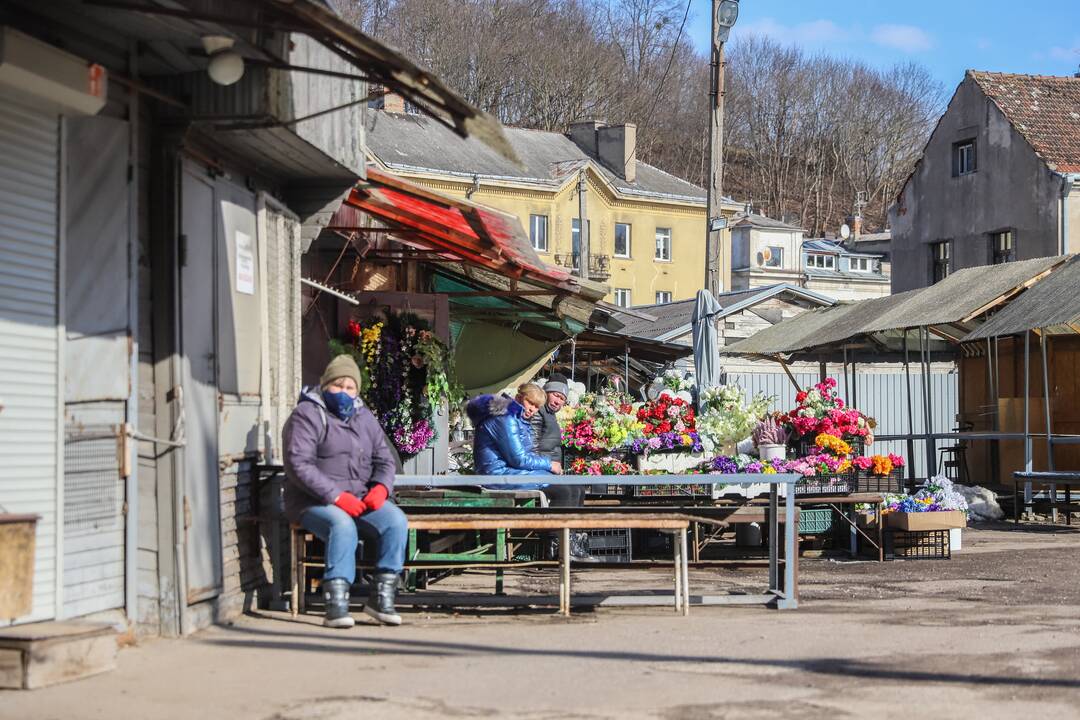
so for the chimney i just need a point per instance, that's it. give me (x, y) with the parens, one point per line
(617, 148)
(584, 135)
(390, 102)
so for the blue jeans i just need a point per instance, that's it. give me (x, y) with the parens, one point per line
(386, 527)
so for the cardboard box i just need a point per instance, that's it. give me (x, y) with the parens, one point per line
(943, 520)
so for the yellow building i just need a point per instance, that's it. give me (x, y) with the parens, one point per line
(646, 228)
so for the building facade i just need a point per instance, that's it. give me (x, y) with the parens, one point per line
(999, 180)
(152, 218)
(766, 252)
(646, 228)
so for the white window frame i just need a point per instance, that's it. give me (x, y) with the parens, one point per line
(622, 297)
(534, 226)
(663, 245)
(663, 297)
(865, 265)
(615, 241)
(966, 159)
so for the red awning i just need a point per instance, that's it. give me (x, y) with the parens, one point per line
(449, 227)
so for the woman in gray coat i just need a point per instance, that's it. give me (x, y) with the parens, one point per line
(340, 472)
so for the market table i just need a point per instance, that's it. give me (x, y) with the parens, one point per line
(1053, 479)
(782, 592)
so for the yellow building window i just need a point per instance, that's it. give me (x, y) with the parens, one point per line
(538, 232)
(663, 244)
(622, 240)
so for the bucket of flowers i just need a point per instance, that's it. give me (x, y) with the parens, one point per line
(744, 464)
(879, 473)
(820, 410)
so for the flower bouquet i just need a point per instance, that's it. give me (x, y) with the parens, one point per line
(602, 466)
(821, 410)
(667, 424)
(725, 419)
(599, 423)
(771, 438)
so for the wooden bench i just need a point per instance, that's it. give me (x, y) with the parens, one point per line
(538, 520)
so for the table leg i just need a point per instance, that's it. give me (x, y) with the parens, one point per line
(774, 541)
(564, 559)
(685, 573)
(1053, 503)
(1068, 504)
(677, 553)
(1016, 502)
(297, 570)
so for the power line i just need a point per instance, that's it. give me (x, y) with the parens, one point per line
(671, 59)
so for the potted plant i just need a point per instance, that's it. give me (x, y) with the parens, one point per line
(771, 439)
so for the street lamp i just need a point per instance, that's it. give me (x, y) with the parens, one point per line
(727, 12)
(724, 15)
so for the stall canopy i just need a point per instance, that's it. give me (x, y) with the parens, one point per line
(439, 228)
(1052, 305)
(950, 310)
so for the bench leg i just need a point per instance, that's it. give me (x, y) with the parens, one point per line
(564, 574)
(297, 565)
(685, 573)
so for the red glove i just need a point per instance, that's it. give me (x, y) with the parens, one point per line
(351, 504)
(376, 496)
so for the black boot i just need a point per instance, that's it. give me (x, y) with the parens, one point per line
(380, 604)
(579, 548)
(336, 596)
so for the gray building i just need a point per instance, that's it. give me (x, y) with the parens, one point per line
(998, 181)
(161, 174)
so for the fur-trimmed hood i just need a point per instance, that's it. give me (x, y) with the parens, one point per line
(482, 407)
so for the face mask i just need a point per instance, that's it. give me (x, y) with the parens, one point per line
(341, 404)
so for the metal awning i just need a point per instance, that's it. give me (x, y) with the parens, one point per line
(1052, 305)
(439, 228)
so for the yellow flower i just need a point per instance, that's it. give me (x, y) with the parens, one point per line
(769, 470)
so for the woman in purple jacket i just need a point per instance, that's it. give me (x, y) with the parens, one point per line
(340, 470)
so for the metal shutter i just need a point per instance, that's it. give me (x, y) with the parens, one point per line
(29, 346)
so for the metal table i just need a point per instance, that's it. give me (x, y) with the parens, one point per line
(1053, 479)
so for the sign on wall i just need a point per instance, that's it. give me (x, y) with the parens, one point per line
(245, 264)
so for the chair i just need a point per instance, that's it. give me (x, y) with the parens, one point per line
(952, 459)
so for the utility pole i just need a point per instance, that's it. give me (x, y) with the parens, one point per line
(724, 14)
(583, 228)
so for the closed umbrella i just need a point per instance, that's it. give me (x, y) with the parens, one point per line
(707, 369)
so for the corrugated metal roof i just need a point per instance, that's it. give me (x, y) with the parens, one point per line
(961, 294)
(672, 316)
(415, 142)
(1051, 302)
(948, 302)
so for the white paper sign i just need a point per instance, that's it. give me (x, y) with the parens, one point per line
(245, 264)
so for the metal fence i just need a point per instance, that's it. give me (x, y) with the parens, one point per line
(882, 396)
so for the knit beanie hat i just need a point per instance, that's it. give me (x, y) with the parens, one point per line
(339, 367)
(557, 384)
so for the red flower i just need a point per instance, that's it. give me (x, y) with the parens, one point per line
(664, 427)
(649, 429)
(800, 396)
(355, 328)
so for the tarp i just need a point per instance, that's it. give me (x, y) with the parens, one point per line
(490, 357)
(706, 351)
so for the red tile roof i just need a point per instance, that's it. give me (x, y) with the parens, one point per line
(1045, 110)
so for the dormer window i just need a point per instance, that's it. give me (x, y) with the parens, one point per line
(861, 264)
(822, 262)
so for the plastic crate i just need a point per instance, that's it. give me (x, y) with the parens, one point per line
(814, 521)
(891, 483)
(680, 490)
(822, 485)
(917, 545)
(805, 445)
(609, 539)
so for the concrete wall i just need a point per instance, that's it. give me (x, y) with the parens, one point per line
(1010, 189)
(749, 241)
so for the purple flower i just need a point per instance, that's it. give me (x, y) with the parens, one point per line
(725, 464)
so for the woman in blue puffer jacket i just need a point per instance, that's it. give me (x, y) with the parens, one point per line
(503, 443)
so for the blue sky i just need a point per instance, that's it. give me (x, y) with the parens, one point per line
(948, 36)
